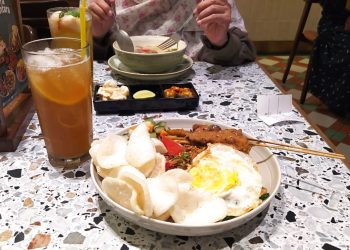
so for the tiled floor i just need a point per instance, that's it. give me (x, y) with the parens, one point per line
(334, 127)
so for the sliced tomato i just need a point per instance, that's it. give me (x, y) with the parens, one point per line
(173, 147)
(167, 166)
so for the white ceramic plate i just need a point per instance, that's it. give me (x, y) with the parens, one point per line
(271, 178)
(123, 70)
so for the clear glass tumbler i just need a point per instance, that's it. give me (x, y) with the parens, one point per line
(60, 78)
(65, 22)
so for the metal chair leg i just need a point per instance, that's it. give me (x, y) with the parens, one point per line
(297, 38)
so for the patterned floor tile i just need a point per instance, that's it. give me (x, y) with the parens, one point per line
(311, 107)
(335, 128)
(295, 93)
(274, 68)
(347, 140)
(298, 69)
(279, 75)
(321, 119)
(304, 61)
(268, 62)
(344, 148)
(335, 135)
(282, 57)
(289, 85)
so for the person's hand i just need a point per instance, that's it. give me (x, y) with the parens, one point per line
(214, 17)
(102, 17)
(347, 24)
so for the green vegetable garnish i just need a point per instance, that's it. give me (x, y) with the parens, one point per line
(264, 196)
(73, 13)
(69, 13)
(185, 155)
(153, 135)
(150, 119)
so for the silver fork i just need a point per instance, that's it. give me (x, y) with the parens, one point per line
(175, 37)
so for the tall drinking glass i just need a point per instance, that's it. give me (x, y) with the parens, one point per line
(60, 78)
(65, 22)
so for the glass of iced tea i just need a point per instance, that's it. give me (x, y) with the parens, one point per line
(65, 22)
(60, 78)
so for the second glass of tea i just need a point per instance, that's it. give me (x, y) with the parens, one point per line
(65, 22)
(60, 77)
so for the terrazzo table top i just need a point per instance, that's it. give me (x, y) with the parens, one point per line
(41, 206)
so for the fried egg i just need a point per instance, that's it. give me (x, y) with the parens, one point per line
(230, 174)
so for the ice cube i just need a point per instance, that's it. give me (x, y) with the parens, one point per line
(44, 61)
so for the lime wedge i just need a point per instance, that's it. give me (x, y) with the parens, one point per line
(143, 94)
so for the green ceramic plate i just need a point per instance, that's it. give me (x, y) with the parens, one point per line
(123, 70)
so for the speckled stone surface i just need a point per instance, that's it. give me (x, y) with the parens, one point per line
(41, 206)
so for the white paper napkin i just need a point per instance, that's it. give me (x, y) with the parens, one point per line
(275, 108)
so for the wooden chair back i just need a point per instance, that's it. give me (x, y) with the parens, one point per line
(34, 14)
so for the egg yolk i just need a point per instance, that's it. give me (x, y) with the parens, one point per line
(213, 179)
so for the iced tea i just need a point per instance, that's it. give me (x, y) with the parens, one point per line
(65, 22)
(60, 81)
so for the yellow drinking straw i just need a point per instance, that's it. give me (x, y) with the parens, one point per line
(83, 27)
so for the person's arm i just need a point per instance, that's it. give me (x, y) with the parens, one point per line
(222, 45)
(102, 20)
(103, 47)
(237, 50)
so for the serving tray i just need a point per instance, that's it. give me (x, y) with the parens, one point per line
(158, 103)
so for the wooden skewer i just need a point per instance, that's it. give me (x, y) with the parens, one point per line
(276, 145)
(182, 141)
(297, 149)
(174, 137)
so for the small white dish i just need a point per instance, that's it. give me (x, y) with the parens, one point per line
(269, 170)
(119, 68)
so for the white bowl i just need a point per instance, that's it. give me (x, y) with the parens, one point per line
(149, 62)
(271, 178)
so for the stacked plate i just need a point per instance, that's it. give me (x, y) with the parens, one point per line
(119, 68)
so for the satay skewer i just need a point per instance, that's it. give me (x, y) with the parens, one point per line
(303, 150)
(275, 145)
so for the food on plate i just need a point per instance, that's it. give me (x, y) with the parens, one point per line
(230, 174)
(140, 151)
(164, 194)
(203, 134)
(152, 50)
(109, 154)
(111, 91)
(189, 184)
(175, 92)
(143, 94)
(129, 189)
(196, 208)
